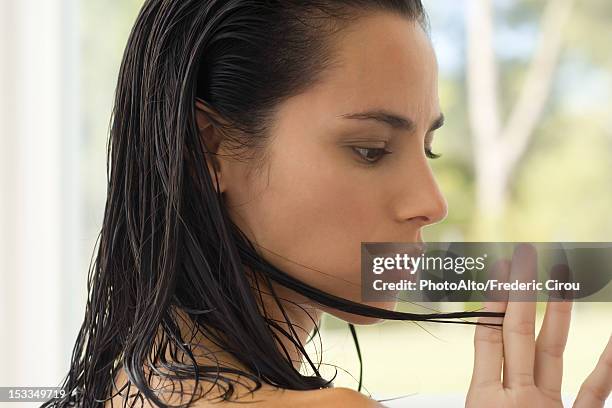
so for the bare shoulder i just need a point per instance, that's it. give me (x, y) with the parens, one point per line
(339, 397)
(267, 396)
(329, 397)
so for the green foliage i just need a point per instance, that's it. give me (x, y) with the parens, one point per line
(562, 189)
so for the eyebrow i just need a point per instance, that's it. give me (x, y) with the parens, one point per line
(393, 120)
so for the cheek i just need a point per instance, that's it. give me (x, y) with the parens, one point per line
(312, 217)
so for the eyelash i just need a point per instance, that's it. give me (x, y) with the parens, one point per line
(384, 151)
(431, 155)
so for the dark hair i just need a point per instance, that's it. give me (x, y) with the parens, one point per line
(167, 242)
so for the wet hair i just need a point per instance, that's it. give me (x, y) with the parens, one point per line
(167, 243)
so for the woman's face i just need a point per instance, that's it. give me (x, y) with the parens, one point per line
(317, 198)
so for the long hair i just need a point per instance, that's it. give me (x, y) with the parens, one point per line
(167, 243)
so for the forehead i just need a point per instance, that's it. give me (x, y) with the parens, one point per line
(383, 61)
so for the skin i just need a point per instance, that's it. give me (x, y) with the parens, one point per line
(320, 196)
(315, 199)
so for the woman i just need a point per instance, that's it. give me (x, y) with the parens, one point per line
(254, 145)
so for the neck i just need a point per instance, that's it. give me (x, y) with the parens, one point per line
(302, 315)
(300, 312)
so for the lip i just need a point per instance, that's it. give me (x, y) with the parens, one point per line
(412, 249)
(415, 247)
(391, 249)
(409, 249)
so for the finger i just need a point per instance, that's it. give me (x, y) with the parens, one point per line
(596, 388)
(563, 274)
(488, 341)
(519, 323)
(550, 346)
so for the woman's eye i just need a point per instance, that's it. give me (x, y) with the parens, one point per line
(371, 154)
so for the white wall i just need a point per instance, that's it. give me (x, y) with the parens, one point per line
(41, 262)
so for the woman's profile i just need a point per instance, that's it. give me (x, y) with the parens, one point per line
(254, 144)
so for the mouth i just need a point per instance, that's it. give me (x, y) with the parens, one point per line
(411, 249)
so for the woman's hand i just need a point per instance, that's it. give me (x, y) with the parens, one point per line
(532, 370)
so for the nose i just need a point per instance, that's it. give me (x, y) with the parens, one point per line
(420, 200)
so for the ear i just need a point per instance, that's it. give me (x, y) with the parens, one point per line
(212, 140)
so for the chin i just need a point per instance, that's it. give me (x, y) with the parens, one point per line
(363, 320)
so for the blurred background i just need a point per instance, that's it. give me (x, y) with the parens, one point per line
(526, 87)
